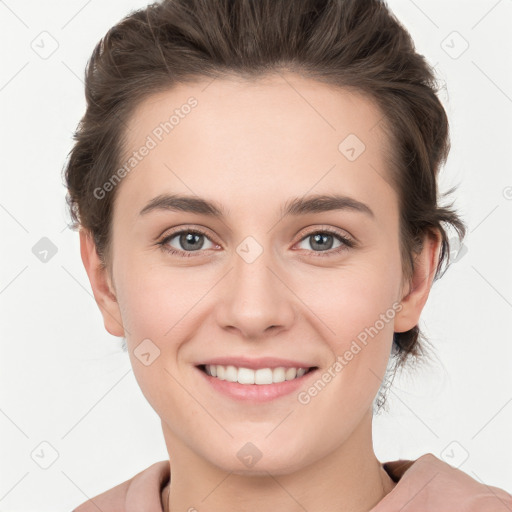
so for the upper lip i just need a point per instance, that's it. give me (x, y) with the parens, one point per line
(256, 363)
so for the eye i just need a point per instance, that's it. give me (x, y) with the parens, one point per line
(188, 240)
(323, 240)
(191, 241)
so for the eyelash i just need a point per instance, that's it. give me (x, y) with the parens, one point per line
(347, 242)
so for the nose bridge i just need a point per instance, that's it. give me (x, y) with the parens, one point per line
(252, 276)
(256, 298)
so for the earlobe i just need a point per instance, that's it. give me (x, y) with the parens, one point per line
(418, 289)
(101, 286)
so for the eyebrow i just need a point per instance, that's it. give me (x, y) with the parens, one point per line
(296, 206)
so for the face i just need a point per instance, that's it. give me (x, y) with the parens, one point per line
(316, 285)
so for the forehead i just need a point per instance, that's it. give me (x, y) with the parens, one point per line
(234, 135)
(303, 108)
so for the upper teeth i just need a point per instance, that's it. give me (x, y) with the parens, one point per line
(248, 376)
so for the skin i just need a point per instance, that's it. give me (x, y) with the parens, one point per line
(251, 146)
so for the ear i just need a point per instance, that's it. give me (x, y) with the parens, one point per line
(102, 288)
(425, 265)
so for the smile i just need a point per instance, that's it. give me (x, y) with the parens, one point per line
(262, 376)
(261, 385)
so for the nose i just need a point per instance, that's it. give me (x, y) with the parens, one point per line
(255, 299)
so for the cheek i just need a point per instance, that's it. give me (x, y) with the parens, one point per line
(154, 304)
(159, 307)
(354, 310)
(366, 315)
(349, 302)
(362, 318)
(155, 299)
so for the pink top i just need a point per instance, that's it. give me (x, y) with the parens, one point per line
(141, 493)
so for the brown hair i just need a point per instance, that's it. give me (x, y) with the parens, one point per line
(356, 44)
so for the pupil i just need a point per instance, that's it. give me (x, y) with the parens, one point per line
(322, 238)
(189, 239)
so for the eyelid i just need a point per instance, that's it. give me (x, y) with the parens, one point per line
(183, 227)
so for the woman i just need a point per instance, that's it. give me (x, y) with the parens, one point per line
(255, 184)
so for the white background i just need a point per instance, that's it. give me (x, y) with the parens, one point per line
(65, 380)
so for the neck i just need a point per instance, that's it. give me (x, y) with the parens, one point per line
(349, 479)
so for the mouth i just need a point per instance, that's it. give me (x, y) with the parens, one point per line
(259, 377)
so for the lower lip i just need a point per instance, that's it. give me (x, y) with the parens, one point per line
(256, 392)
